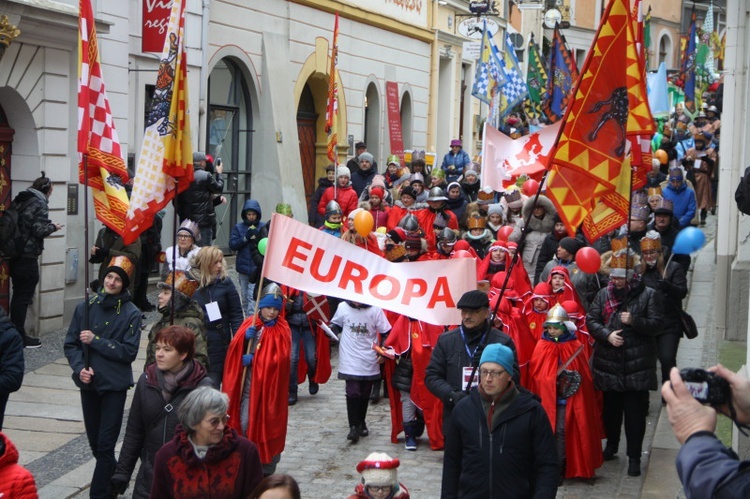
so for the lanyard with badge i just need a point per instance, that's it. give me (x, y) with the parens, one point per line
(470, 379)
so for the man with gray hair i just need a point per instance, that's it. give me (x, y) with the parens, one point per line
(197, 202)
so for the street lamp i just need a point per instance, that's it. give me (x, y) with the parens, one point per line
(8, 33)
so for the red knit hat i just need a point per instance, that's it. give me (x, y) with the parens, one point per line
(377, 191)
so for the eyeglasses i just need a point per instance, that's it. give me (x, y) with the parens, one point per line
(378, 488)
(486, 373)
(184, 236)
(214, 422)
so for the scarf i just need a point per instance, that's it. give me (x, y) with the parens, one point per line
(616, 297)
(169, 382)
(493, 407)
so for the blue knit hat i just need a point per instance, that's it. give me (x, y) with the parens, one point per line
(499, 354)
(272, 297)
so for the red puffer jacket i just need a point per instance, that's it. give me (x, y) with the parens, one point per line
(15, 480)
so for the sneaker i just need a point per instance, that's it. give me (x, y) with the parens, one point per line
(634, 466)
(30, 342)
(410, 442)
(313, 388)
(353, 434)
(609, 452)
(363, 431)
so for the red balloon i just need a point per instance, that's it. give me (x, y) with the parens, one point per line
(588, 260)
(461, 254)
(530, 187)
(504, 232)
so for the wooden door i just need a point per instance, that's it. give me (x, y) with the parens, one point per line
(6, 139)
(307, 135)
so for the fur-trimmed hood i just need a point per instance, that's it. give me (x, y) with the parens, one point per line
(545, 224)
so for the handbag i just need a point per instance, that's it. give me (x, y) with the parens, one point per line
(688, 325)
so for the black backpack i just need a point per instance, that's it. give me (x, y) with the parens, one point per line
(11, 240)
(742, 194)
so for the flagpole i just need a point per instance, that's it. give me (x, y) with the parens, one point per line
(174, 248)
(86, 275)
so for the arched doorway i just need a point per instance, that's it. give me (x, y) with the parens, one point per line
(372, 121)
(665, 51)
(307, 130)
(6, 141)
(406, 121)
(230, 125)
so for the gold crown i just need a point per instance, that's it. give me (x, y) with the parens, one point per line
(622, 259)
(654, 191)
(476, 221)
(124, 263)
(182, 283)
(651, 242)
(8, 32)
(619, 244)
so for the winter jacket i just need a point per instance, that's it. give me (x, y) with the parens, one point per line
(517, 458)
(459, 160)
(220, 332)
(11, 356)
(16, 482)
(709, 469)
(444, 374)
(116, 324)
(538, 230)
(458, 207)
(470, 191)
(230, 470)
(314, 218)
(151, 424)
(196, 202)
(361, 179)
(670, 290)
(346, 197)
(190, 316)
(632, 366)
(481, 244)
(683, 201)
(242, 236)
(33, 223)
(112, 245)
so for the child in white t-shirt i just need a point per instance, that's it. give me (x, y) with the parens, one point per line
(360, 326)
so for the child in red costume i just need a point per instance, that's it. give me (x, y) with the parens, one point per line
(562, 289)
(257, 381)
(536, 307)
(575, 419)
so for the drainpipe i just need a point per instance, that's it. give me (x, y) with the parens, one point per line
(203, 87)
(432, 103)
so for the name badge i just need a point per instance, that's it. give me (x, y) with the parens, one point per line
(213, 312)
(467, 375)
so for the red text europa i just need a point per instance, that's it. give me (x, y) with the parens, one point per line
(299, 256)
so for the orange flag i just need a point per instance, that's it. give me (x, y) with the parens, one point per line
(609, 107)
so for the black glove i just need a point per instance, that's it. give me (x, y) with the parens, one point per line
(251, 233)
(118, 486)
(102, 252)
(663, 285)
(455, 396)
(477, 356)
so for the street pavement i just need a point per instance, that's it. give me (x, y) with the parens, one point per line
(44, 420)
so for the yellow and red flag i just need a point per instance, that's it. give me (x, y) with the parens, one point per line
(97, 137)
(165, 163)
(609, 107)
(332, 108)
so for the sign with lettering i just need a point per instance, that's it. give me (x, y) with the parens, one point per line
(394, 119)
(155, 21)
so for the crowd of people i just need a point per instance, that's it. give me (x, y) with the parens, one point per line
(547, 361)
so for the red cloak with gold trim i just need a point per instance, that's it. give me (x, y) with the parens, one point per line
(583, 423)
(269, 389)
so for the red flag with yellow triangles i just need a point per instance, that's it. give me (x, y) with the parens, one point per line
(608, 107)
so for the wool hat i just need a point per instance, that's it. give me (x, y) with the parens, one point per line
(379, 469)
(456, 142)
(665, 207)
(378, 181)
(123, 267)
(360, 145)
(651, 241)
(571, 245)
(272, 297)
(495, 209)
(409, 191)
(473, 300)
(191, 228)
(499, 354)
(413, 242)
(377, 191)
(182, 283)
(451, 185)
(343, 171)
(470, 171)
(365, 156)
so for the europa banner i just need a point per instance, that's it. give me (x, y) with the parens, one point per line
(155, 21)
(311, 260)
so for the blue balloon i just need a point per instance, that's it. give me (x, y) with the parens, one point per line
(689, 240)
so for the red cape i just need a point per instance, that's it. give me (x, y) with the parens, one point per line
(583, 424)
(426, 218)
(421, 338)
(269, 410)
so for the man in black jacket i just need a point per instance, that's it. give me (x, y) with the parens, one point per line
(197, 202)
(499, 442)
(458, 351)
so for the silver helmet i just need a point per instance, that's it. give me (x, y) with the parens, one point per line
(437, 194)
(447, 236)
(409, 223)
(333, 208)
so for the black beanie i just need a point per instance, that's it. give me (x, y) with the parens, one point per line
(571, 245)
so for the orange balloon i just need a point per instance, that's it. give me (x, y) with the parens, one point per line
(662, 156)
(364, 223)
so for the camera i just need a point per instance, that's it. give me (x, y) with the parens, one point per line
(706, 387)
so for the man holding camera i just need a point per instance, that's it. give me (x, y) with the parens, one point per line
(706, 467)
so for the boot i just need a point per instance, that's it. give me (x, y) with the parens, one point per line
(561, 476)
(634, 466)
(609, 451)
(292, 397)
(375, 393)
(352, 413)
(363, 403)
(312, 386)
(353, 434)
(410, 439)
(420, 424)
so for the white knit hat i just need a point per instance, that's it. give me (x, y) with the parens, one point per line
(343, 171)
(379, 469)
